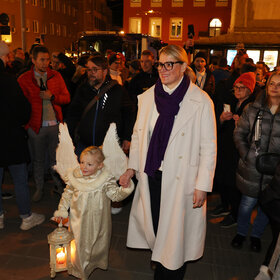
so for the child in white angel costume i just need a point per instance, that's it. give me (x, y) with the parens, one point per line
(88, 194)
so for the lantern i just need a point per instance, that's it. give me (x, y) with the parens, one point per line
(60, 250)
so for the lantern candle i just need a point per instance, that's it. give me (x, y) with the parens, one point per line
(60, 256)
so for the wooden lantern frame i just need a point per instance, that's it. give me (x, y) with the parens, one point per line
(60, 238)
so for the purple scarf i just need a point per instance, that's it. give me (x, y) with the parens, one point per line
(168, 107)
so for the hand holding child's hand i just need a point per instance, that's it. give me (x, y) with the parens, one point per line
(125, 178)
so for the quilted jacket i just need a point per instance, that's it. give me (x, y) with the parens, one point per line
(248, 179)
(31, 90)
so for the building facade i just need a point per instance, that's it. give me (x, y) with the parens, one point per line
(55, 23)
(169, 19)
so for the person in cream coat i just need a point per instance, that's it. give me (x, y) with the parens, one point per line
(173, 154)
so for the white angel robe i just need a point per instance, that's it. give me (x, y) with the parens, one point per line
(89, 199)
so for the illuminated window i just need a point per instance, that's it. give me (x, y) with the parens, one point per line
(34, 2)
(155, 27)
(270, 58)
(199, 3)
(254, 54)
(52, 28)
(64, 31)
(177, 3)
(58, 30)
(44, 29)
(51, 5)
(221, 3)
(176, 28)
(69, 10)
(135, 3)
(135, 25)
(43, 3)
(35, 26)
(64, 8)
(156, 3)
(215, 27)
(57, 5)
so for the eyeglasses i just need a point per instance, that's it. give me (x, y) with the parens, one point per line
(239, 88)
(272, 84)
(168, 66)
(93, 70)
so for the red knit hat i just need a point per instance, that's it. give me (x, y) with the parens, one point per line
(248, 80)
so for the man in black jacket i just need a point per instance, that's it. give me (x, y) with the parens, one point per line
(146, 78)
(15, 112)
(113, 106)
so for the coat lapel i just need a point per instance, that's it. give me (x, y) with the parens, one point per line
(189, 106)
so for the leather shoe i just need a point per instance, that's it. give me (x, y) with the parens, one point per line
(255, 244)
(237, 241)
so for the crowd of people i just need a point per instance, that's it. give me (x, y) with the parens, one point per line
(185, 128)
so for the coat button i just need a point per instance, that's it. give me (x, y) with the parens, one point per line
(183, 133)
(180, 157)
(177, 178)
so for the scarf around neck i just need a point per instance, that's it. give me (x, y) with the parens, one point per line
(168, 106)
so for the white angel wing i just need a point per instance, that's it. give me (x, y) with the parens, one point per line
(115, 159)
(65, 156)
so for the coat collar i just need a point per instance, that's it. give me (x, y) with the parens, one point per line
(189, 106)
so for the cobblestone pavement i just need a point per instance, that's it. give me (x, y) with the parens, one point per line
(25, 254)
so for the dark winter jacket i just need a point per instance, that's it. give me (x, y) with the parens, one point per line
(248, 179)
(140, 83)
(14, 114)
(114, 106)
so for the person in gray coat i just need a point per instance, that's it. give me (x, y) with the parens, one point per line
(249, 144)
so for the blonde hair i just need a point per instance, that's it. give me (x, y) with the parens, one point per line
(95, 152)
(275, 73)
(176, 51)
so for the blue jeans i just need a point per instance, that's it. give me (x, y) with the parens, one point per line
(246, 207)
(20, 178)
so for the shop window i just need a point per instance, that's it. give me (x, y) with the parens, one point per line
(155, 27)
(215, 27)
(254, 54)
(270, 58)
(135, 25)
(176, 28)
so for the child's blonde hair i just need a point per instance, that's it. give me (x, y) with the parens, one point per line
(94, 151)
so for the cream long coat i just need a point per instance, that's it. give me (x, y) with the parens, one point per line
(189, 163)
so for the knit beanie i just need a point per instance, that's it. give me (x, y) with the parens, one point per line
(4, 49)
(113, 57)
(202, 55)
(248, 80)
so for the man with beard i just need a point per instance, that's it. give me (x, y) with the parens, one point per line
(88, 124)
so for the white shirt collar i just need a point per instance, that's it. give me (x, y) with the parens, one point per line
(170, 91)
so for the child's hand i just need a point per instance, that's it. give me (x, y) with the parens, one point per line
(125, 178)
(59, 219)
